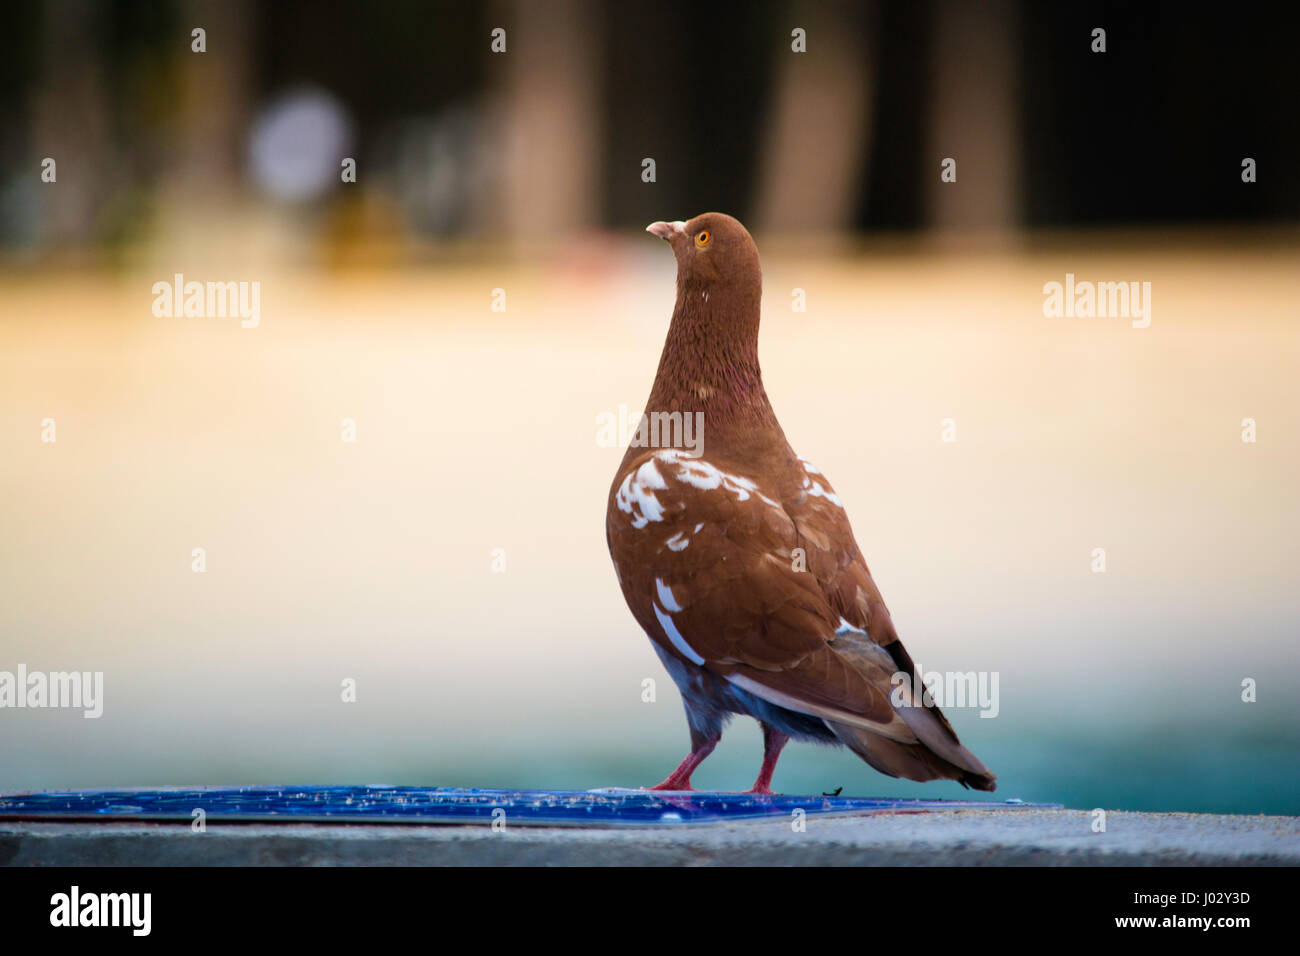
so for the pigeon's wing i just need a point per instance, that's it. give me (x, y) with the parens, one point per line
(772, 596)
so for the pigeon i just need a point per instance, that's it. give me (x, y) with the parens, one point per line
(736, 556)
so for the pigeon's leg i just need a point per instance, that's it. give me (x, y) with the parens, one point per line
(701, 747)
(773, 741)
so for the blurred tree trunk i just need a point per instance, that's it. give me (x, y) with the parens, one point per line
(215, 88)
(548, 82)
(199, 216)
(974, 117)
(69, 122)
(818, 139)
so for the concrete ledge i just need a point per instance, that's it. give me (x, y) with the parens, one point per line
(963, 838)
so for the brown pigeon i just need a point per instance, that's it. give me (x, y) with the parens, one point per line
(736, 557)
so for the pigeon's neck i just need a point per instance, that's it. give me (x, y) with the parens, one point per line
(710, 365)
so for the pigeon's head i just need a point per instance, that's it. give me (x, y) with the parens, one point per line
(712, 248)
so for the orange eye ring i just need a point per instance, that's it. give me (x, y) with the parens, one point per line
(703, 238)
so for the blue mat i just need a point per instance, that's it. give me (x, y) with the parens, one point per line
(380, 804)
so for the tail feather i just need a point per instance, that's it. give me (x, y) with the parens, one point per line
(913, 761)
(936, 754)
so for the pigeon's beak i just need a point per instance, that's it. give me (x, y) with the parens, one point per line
(667, 230)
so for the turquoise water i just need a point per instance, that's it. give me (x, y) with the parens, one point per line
(1170, 773)
(1203, 769)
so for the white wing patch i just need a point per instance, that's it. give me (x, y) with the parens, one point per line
(816, 488)
(636, 495)
(817, 491)
(678, 542)
(700, 474)
(665, 594)
(669, 602)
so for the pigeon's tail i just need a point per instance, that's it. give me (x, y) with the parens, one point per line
(933, 752)
(915, 761)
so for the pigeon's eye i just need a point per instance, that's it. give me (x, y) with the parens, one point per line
(703, 238)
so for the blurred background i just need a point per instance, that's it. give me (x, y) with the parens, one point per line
(480, 293)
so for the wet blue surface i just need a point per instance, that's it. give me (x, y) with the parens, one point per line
(380, 804)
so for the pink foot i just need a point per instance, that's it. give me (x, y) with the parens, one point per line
(680, 779)
(773, 741)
